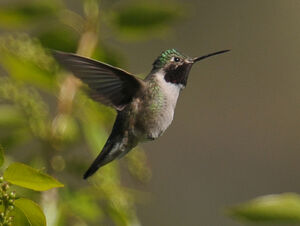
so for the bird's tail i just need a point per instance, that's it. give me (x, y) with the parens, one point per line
(105, 156)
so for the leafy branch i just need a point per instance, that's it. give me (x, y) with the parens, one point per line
(43, 108)
(21, 175)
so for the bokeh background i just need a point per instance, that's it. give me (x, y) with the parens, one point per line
(236, 129)
(235, 135)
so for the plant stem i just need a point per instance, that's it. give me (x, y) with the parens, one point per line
(86, 46)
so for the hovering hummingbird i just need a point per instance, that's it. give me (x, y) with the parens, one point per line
(145, 108)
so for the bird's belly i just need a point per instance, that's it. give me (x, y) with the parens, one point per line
(154, 112)
(151, 127)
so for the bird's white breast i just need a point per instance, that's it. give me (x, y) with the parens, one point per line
(164, 118)
(170, 90)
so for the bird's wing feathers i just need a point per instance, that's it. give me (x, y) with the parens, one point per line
(109, 85)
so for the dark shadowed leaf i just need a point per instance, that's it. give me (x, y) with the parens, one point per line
(14, 137)
(32, 211)
(145, 19)
(28, 177)
(283, 208)
(59, 37)
(17, 15)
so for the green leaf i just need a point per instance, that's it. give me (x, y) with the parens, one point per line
(283, 207)
(32, 211)
(1, 155)
(28, 177)
(19, 218)
(17, 15)
(145, 19)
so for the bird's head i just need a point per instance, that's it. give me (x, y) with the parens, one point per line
(175, 66)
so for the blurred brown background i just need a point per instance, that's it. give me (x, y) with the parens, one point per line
(236, 129)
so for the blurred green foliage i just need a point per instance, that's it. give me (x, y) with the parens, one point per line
(47, 122)
(144, 19)
(19, 15)
(282, 208)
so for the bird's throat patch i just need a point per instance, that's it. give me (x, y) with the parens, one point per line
(177, 75)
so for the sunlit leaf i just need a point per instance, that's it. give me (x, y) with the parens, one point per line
(145, 18)
(283, 207)
(28, 177)
(32, 211)
(17, 15)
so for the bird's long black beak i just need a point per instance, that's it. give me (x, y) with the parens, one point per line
(209, 55)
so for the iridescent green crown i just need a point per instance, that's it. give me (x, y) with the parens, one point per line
(166, 56)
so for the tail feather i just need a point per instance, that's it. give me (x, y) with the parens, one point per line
(102, 159)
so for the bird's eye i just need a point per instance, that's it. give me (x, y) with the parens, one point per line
(176, 59)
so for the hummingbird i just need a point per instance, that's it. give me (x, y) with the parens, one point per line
(145, 107)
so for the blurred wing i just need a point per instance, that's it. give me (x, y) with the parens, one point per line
(109, 85)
